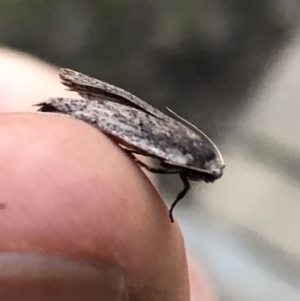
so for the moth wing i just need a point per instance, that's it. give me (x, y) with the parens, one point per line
(170, 142)
(94, 89)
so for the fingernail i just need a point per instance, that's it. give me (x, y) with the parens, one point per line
(35, 277)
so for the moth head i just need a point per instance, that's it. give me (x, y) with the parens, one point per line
(214, 170)
(207, 174)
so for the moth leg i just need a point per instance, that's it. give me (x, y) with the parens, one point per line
(150, 168)
(131, 151)
(156, 170)
(180, 195)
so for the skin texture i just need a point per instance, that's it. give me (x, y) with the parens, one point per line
(70, 191)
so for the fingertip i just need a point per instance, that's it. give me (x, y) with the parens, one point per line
(70, 190)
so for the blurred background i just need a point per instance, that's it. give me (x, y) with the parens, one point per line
(230, 67)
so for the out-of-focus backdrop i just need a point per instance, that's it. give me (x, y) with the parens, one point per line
(230, 67)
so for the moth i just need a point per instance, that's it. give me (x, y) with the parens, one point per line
(140, 129)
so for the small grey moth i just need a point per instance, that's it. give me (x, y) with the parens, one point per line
(140, 129)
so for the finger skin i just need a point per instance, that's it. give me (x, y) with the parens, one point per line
(71, 191)
(200, 287)
(25, 80)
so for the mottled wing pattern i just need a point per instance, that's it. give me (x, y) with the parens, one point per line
(171, 142)
(94, 89)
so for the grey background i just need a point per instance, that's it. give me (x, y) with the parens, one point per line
(231, 68)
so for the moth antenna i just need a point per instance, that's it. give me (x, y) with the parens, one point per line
(193, 126)
(204, 171)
